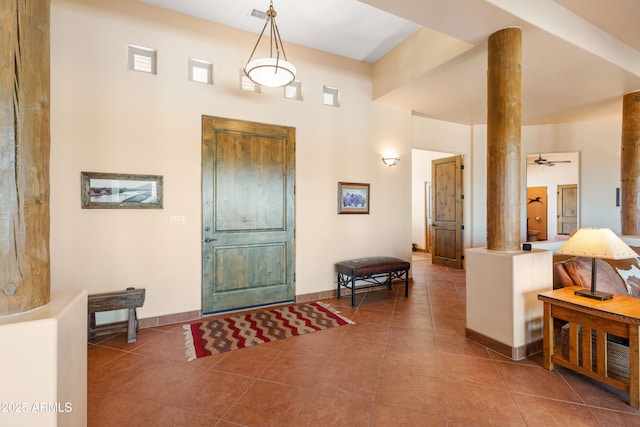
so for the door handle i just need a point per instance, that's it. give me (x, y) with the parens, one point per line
(208, 240)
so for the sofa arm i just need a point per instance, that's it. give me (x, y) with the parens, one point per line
(578, 270)
(561, 278)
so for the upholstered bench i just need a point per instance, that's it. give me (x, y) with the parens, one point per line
(128, 299)
(375, 271)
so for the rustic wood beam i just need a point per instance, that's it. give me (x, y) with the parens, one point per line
(24, 155)
(503, 140)
(630, 165)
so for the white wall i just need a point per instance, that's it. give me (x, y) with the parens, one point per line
(599, 145)
(105, 118)
(478, 196)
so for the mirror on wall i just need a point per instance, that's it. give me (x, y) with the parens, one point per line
(552, 195)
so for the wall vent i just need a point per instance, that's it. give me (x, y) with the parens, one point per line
(258, 14)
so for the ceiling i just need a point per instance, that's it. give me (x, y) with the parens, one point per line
(579, 57)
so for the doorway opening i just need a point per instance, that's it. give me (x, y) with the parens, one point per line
(437, 207)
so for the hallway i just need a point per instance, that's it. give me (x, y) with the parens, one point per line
(406, 362)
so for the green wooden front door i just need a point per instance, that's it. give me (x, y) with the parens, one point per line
(247, 214)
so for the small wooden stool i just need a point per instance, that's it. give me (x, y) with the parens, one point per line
(128, 299)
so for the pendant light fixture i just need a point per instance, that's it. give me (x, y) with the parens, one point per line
(272, 71)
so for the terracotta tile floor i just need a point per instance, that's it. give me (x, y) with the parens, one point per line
(405, 363)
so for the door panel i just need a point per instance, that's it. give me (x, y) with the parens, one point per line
(243, 267)
(248, 214)
(445, 242)
(250, 182)
(446, 178)
(567, 208)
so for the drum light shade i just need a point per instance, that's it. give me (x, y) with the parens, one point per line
(270, 72)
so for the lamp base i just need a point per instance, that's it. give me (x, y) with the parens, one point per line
(594, 295)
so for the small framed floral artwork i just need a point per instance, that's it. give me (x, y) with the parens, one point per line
(353, 198)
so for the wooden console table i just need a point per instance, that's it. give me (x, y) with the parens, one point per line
(590, 321)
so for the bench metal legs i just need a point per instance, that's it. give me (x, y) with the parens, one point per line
(353, 291)
(347, 281)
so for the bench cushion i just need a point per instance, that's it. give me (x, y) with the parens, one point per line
(372, 265)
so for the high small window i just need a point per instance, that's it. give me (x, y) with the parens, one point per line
(330, 96)
(247, 85)
(293, 90)
(142, 59)
(200, 71)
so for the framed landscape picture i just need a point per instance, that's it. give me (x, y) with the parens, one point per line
(353, 198)
(120, 191)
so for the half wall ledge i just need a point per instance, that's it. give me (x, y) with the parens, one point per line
(503, 312)
(45, 361)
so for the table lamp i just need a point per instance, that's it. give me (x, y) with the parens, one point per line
(596, 243)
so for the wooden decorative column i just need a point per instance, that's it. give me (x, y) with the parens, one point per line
(24, 155)
(500, 312)
(503, 140)
(630, 165)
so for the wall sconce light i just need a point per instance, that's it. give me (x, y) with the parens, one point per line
(390, 159)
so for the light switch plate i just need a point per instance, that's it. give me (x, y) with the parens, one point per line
(176, 220)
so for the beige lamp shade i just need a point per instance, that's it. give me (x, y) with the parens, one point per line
(597, 243)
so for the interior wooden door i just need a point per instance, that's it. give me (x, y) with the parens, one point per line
(446, 229)
(247, 214)
(567, 208)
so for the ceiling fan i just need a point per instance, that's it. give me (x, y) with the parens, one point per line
(544, 162)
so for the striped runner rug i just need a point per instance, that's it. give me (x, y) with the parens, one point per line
(230, 333)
